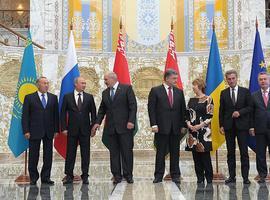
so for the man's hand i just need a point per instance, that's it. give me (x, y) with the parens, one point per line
(94, 129)
(252, 132)
(27, 135)
(55, 135)
(65, 132)
(235, 114)
(155, 129)
(130, 125)
(222, 130)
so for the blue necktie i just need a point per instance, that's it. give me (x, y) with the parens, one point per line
(43, 101)
(112, 93)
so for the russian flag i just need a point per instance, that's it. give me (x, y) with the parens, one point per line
(71, 71)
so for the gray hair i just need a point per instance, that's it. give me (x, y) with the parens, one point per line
(232, 71)
(39, 78)
(168, 73)
(112, 75)
(263, 73)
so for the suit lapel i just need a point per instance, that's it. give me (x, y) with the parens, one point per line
(118, 90)
(174, 96)
(260, 97)
(74, 101)
(229, 95)
(164, 92)
(38, 100)
(238, 96)
(49, 99)
(107, 95)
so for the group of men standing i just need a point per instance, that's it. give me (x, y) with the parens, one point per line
(240, 114)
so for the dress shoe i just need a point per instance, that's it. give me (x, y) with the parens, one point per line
(246, 182)
(230, 180)
(49, 182)
(130, 180)
(67, 181)
(85, 181)
(200, 181)
(117, 180)
(33, 182)
(261, 180)
(157, 180)
(176, 180)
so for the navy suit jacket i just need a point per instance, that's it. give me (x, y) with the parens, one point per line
(40, 121)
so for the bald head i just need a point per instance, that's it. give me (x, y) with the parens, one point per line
(110, 79)
(80, 84)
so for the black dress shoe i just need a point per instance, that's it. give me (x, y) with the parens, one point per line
(33, 182)
(117, 180)
(246, 182)
(85, 181)
(157, 180)
(200, 181)
(49, 182)
(261, 180)
(230, 180)
(130, 180)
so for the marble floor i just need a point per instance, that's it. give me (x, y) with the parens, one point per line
(101, 187)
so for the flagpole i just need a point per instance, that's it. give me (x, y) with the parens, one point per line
(217, 177)
(24, 178)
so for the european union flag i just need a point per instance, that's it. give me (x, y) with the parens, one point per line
(26, 85)
(258, 65)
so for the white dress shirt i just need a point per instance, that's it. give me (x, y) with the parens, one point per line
(265, 92)
(45, 95)
(167, 89)
(76, 96)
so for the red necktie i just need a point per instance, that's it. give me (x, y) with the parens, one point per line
(265, 98)
(170, 96)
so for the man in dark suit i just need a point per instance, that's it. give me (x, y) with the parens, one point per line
(40, 121)
(260, 123)
(120, 107)
(78, 113)
(167, 110)
(234, 116)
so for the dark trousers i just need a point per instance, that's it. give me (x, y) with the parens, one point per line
(241, 136)
(34, 148)
(262, 141)
(121, 151)
(203, 165)
(72, 142)
(164, 143)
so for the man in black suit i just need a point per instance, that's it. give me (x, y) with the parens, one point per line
(120, 107)
(167, 110)
(76, 110)
(40, 121)
(260, 123)
(234, 116)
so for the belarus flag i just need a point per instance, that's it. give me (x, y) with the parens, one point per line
(71, 71)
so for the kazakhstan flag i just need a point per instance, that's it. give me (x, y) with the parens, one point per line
(26, 85)
(214, 85)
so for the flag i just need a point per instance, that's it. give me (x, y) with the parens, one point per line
(214, 85)
(26, 85)
(258, 65)
(122, 71)
(71, 71)
(171, 61)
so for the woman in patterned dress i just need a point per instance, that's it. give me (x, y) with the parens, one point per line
(199, 141)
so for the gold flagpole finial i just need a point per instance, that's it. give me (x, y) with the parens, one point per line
(213, 24)
(172, 24)
(121, 23)
(71, 24)
(256, 23)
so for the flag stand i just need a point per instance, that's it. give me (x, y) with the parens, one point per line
(24, 178)
(218, 177)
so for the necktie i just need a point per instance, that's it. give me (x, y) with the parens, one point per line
(79, 104)
(112, 93)
(170, 96)
(233, 96)
(265, 98)
(43, 100)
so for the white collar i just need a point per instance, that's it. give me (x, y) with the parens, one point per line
(267, 91)
(76, 92)
(115, 86)
(166, 86)
(40, 94)
(235, 88)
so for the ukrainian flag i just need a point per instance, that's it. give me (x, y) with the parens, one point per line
(214, 85)
(26, 85)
